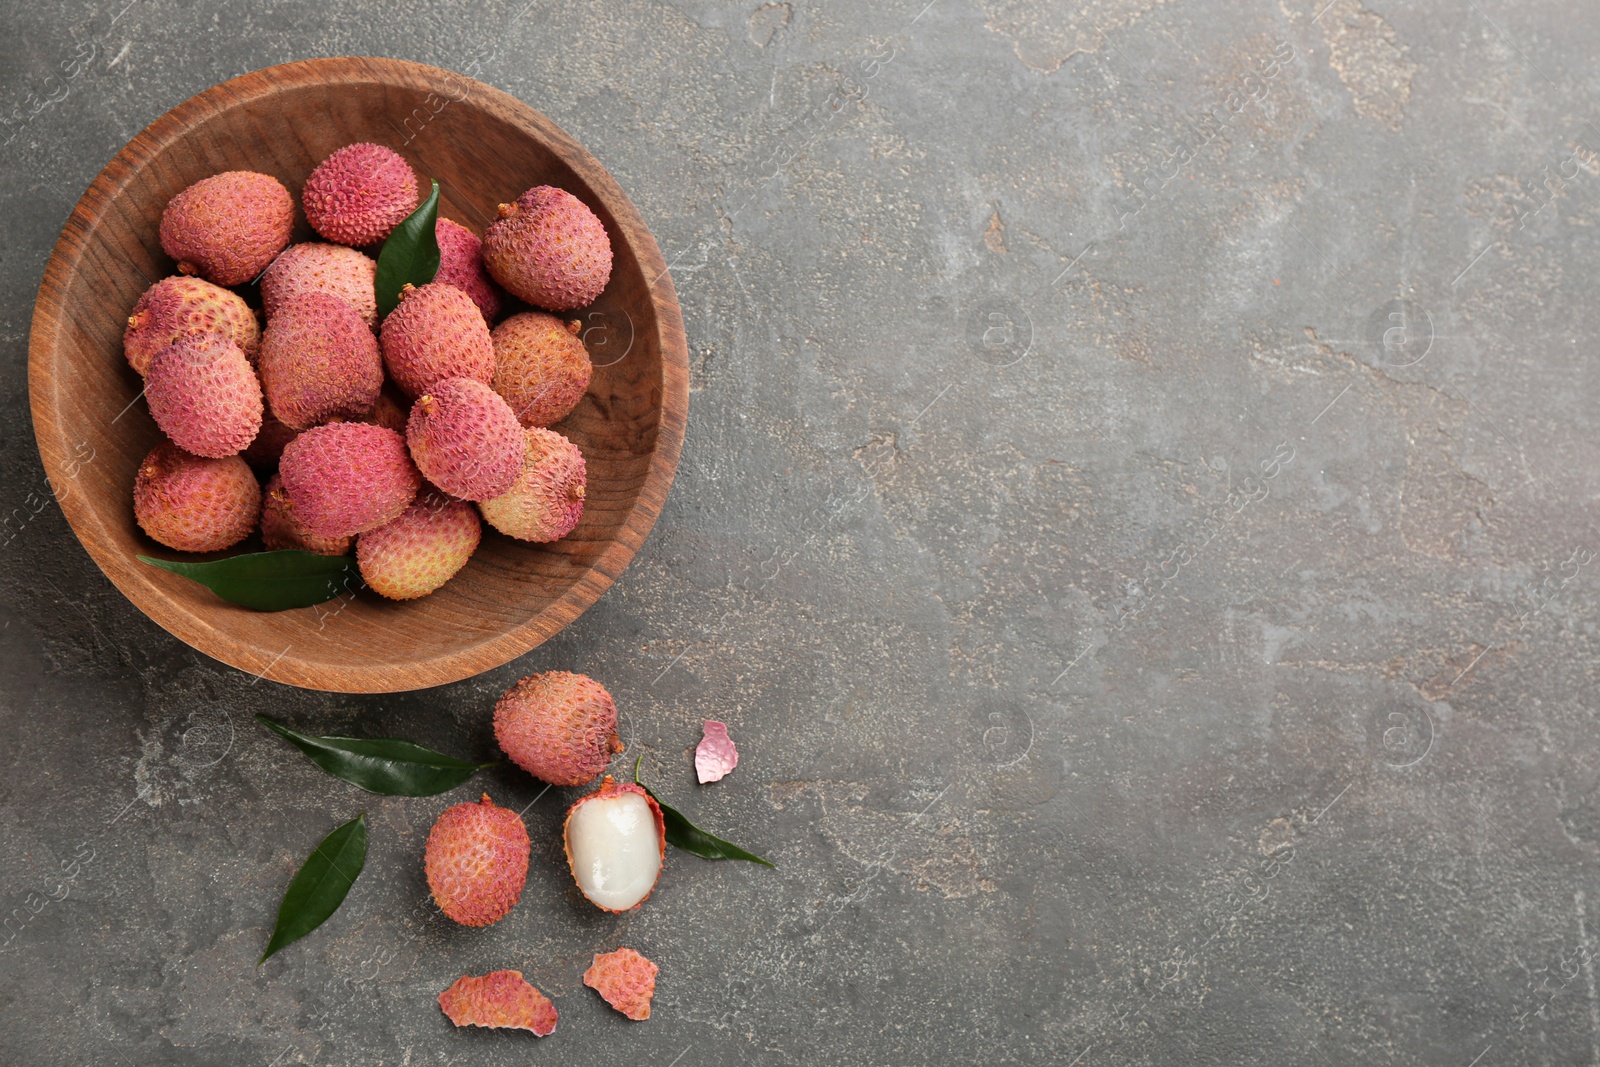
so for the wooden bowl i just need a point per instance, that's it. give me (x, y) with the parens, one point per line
(484, 147)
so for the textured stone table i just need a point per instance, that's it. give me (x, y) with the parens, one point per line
(1138, 519)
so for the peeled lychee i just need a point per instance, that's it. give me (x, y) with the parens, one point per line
(540, 366)
(203, 393)
(435, 332)
(314, 267)
(281, 530)
(422, 549)
(500, 999)
(192, 503)
(348, 477)
(477, 861)
(616, 843)
(178, 306)
(465, 439)
(359, 194)
(558, 726)
(549, 249)
(461, 265)
(546, 501)
(625, 979)
(319, 361)
(228, 227)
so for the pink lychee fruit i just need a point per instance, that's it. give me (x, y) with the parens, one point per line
(435, 332)
(546, 501)
(204, 394)
(192, 503)
(422, 549)
(616, 842)
(477, 861)
(228, 227)
(461, 265)
(549, 249)
(465, 439)
(319, 361)
(347, 478)
(540, 366)
(359, 194)
(558, 726)
(280, 529)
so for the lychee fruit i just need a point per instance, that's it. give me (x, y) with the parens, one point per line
(192, 503)
(465, 439)
(348, 477)
(461, 265)
(319, 361)
(359, 194)
(422, 549)
(549, 249)
(626, 981)
(203, 393)
(264, 452)
(500, 999)
(281, 530)
(540, 366)
(314, 267)
(228, 227)
(178, 306)
(558, 726)
(435, 332)
(477, 861)
(546, 501)
(616, 842)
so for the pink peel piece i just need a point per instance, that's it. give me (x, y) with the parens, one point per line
(715, 756)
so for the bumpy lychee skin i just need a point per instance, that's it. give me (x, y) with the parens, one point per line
(422, 549)
(465, 439)
(194, 504)
(477, 861)
(359, 194)
(616, 842)
(461, 265)
(558, 726)
(281, 530)
(348, 477)
(501, 1000)
(625, 979)
(546, 501)
(540, 366)
(228, 227)
(549, 249)
(314, 267)
(319, 361)
(179, 306)
(435, 332)
(203, 393)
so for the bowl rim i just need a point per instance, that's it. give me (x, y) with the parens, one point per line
(139, 583)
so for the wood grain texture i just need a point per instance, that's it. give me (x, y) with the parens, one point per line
(484, 147)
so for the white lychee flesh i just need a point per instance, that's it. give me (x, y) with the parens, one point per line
(614, 850)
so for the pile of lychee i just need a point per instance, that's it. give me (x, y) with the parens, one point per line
(396, 435)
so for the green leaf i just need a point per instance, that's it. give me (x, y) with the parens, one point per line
(271, 581)
(411, 254)
(321, 884)
(681, 833)
(386, 765)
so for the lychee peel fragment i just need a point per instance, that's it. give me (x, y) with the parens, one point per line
(501, 1000)
(715, 756)
(625, 979)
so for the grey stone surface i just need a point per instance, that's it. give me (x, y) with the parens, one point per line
(1145, 559)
